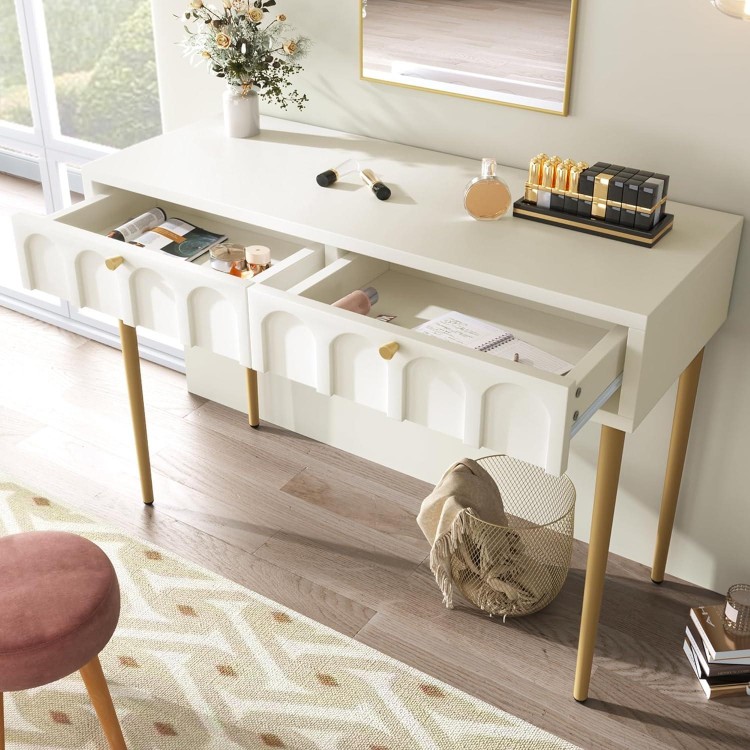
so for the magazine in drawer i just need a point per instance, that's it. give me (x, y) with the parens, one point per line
(68, 254)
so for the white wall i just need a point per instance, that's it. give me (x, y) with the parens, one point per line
(662, 86)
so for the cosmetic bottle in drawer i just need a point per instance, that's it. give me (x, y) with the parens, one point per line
(484, 400)
(69, 254)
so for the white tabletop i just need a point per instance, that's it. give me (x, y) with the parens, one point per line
(269, 181)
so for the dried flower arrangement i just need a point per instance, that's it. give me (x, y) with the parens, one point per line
(248, 47)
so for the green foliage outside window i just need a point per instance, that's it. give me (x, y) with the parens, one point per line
(14, 99)
(104, 69)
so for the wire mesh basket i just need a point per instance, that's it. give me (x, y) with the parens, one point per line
(520, 568)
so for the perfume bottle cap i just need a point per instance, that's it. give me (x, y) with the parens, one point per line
(372, 294)
(258, 255)
(489, 167)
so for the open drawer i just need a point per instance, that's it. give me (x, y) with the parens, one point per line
(488, 402)
(64, 254)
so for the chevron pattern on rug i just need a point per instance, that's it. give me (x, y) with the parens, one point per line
(201, 663)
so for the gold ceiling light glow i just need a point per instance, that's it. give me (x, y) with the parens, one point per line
(739, 9)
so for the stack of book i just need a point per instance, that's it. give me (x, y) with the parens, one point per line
(720, 660)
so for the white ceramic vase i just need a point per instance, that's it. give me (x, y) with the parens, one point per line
(241, 114)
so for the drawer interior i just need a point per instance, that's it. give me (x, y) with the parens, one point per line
(102, 216)
(415, 297)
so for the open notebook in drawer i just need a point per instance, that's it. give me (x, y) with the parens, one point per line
(481, 399)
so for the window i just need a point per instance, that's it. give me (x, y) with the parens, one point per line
(104, 72)
(77, 80)
(14, 91)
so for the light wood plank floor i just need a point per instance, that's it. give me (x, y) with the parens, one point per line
(334, 537)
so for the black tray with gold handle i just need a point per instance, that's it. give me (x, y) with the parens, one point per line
(644, 238)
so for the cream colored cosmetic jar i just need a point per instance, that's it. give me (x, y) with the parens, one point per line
(227, 257)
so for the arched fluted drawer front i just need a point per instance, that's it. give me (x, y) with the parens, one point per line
(358, 372)
(485, 401)
(515, 422)
(69, 255)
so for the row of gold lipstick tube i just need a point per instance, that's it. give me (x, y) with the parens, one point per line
(551, 173)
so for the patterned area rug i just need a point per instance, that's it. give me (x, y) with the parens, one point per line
(200, 662)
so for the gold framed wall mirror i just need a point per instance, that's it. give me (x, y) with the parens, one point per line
(513, 52)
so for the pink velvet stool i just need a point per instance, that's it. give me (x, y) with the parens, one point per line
(59, 605)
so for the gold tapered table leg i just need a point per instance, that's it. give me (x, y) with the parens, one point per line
(131, 359)
(607, 478)
(253, 413)
(96, 685)
(687, 389)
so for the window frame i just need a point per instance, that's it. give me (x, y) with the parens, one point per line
(42, 152)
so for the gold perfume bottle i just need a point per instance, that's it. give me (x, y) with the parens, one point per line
(487, 197)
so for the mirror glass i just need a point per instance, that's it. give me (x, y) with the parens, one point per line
(516, 52)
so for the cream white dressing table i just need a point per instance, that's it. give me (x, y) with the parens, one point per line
(631, 320)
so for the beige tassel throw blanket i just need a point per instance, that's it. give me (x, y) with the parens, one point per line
(473, 547)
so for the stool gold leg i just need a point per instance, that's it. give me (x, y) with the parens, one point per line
(687, 389)
(131, 359)
(2, 725)
(96, 685)
(611, 444)
(253, 413)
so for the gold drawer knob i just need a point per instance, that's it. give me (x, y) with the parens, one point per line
(388, 350)
(113, 263)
